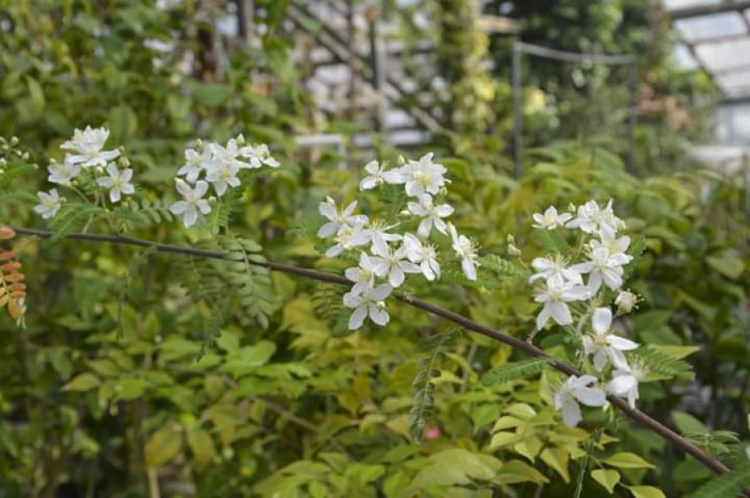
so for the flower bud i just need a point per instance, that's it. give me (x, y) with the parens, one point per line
(240, 140)
(14, 140)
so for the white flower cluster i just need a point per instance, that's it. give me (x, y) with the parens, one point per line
(85, 154)
(605, 254)
(391, 256)
(220, 166)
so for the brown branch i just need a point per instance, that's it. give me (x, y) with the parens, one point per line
(636, 415)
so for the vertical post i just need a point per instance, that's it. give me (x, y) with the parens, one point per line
(351, 39)
(517, 112)
(746, 185)
(632, 115)
(377, 64)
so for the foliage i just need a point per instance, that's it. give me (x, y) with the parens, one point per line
(139, 370)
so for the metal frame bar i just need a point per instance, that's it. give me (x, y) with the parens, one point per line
(705, 10)
(519, 48)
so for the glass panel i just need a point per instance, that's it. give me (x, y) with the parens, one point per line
(734, 81)
(710, 27)
(734, 124)
(724, 55)
(684, 4)
(684, 59)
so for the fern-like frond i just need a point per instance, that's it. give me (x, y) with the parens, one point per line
(136, 263)
(142, 214)
(729, 484)
(424, 400)
(72, 217)
(516, 370)
(552, 241)
(504, 268)
(249, 281)
(661, 365)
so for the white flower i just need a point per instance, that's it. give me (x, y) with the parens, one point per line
(591, 218)
(466, 251)
(625, 382)
(194, 163)
(49, 204)
(259, 155)
(604, 344)
(395, 266)
(424, 255)
(554, 296)
(337, 219)
(626, 301)
(550, 219)
(63, 173)
(192, 202)
(370, 304)
(363, 275)
(378, 176)
(228, 156)
(379, 237)
(222, 174)
(87, 147)
(349, 237)
(605, 267)
(612, 244)
(554, 268)
(117, 182)
(577, 390)
(430, 214)
(423, 176)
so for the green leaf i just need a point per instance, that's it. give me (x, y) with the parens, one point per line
(82, 382)
(164, 445)
(516, 370)
(728, 262)
(122, 124)
(626, 460)
(687, 424)
(202, 446)
(607, 478)
(130, 388)
(647, 492)
(211, 94)
(36, 97)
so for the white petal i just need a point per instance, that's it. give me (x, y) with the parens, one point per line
(396, 276)
(571, 413)
(590, 396)
(561, 313)
(601, 320)
(378, 314)
(190, 217)
(544, 315)
(357, 318)
(621, 343)
(381, 292)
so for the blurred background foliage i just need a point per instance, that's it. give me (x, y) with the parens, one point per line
(107, 394)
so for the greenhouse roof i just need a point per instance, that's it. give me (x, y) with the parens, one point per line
(716, 36)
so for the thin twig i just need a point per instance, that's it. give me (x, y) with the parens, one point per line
(636, 415)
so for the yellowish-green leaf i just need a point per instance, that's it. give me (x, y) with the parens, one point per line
(607, 478)
(557, 458)
(646, 492)
(501, 439)
(625, 460)
(163, 446)
(202, 446)
(83, 382)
